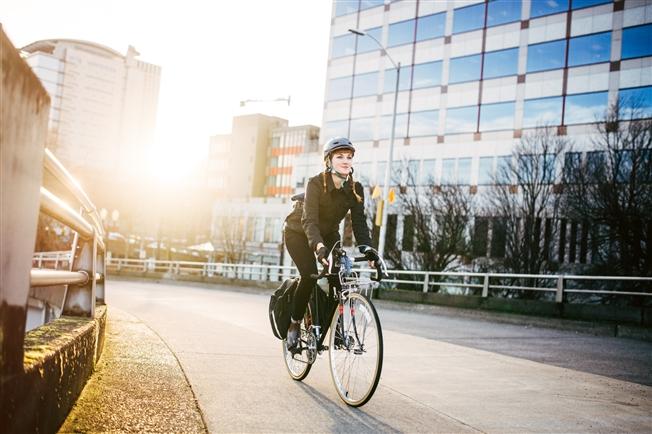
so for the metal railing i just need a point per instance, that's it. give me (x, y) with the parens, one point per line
(68, 282)
(464, 283)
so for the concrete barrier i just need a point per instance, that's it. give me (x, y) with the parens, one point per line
(59, 358)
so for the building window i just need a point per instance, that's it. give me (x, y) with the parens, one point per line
(636, 103)
(465, 69)
(503, 169)
(365, 84)
(426, 75)
(366, 44)
(549, 55)
(343, 45)
(500, 63)
(495, 117)
(431, 26)
(541, 8)
(579, 4)
(407, 243)
(636, 41)
(428, 172)
(503, 11)
(362, 173)
(390, 79)
(486, 173)
(542, 112)
(585, 50)
(585, 108)
(401, 126)
(401, 33)
(572, 164)
(345, 7)
(362, 129)
(411, 175)
(368, 4)
(464, 171)
(380, 173)
(448, 171)
(336, 128)
(461, 120)
(468, 18)
(339, 88)
(424, 123)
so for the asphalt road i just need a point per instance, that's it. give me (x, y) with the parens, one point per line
(440, 373)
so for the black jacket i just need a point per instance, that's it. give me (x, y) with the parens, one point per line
(320, 214)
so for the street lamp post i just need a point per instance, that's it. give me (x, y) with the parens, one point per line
(390, 153)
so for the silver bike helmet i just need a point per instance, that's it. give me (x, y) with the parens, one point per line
(338, 143)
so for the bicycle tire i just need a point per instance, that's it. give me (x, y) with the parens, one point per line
(347, 353)
(297, 365)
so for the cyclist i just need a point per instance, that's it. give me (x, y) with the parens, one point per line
(312, 228)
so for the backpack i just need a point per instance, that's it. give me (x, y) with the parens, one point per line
(280, 307)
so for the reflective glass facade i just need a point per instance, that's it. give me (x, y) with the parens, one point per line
(585, 50)
(500, 63)
(495, 117)
(461, 119)
(481, 76)
(431, 26)
(543, 111)
(468, 18)
(401, 33)
(502, 12)
(426, 75)
(585, 108)
(465, 69)
(636, 42)
(546, 56)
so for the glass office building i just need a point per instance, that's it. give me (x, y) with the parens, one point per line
(478, 75)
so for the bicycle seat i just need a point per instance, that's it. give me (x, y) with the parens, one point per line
(298, 197)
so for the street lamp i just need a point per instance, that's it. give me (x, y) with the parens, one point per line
(390, 156)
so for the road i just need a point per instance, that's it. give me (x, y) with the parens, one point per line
(440, 373)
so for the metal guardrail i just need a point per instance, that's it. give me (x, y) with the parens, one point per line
(55, 291)
(485, 283)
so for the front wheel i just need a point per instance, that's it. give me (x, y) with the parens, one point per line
(356, 350)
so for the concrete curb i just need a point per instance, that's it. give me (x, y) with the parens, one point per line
(138, 385)
(59, 358)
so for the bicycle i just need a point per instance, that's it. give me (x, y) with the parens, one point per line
(355, 344)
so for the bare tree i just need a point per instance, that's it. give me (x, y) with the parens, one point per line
(435, 226)
(230, 239)
(526, 200)
(611, 191)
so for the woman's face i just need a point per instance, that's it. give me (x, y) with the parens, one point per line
(342, 162)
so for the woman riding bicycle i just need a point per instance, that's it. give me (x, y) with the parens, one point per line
(311, 230)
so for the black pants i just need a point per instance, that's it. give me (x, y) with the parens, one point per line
(304, 258)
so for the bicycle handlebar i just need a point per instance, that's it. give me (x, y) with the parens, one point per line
(380, 270)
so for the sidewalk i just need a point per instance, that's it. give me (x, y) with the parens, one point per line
(138, 385)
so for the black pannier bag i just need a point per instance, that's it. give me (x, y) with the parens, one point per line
(280, 307)
(323, 308)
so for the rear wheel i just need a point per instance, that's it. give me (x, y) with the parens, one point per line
(356, 350)
(299, 361)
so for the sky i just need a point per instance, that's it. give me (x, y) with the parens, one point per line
(213, 54)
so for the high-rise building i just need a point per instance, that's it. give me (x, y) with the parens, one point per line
(104, 103)
(238, 161)
(102, 119)
(477, 75)
(293, 156)
(475, 78)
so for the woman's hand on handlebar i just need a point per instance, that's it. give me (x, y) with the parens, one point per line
(321, 254)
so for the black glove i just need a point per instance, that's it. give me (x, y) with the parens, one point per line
(369, 252)
(322, 253)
